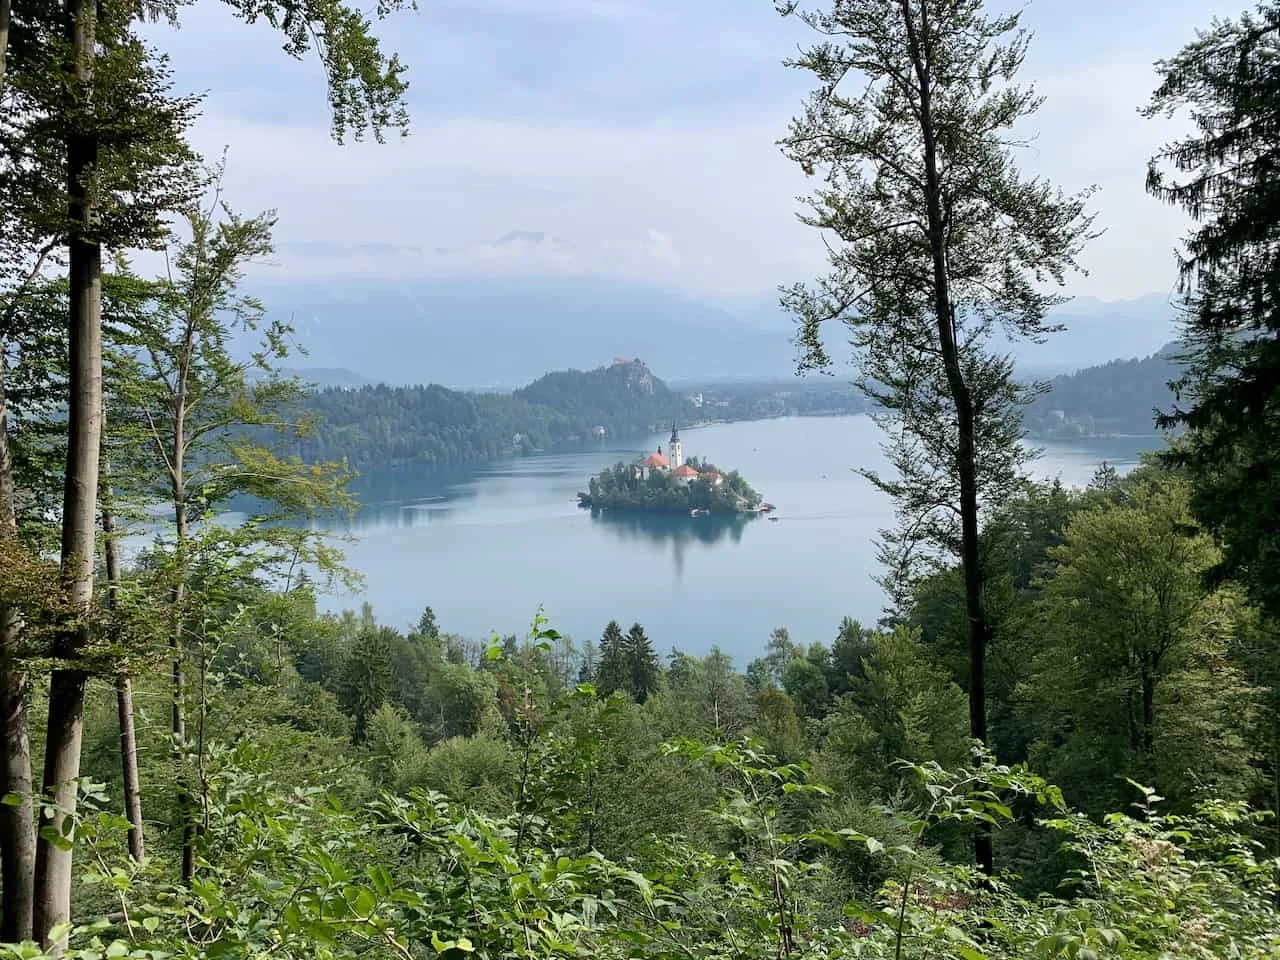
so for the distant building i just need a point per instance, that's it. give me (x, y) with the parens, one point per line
(653, 463)
(684, 474)
(598, 432)
(673, 462)
(695, 399)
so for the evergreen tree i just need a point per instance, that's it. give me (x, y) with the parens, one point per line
(1224, 174)
(613, 670)
(427, 627)
(366, 682)
(644, 669)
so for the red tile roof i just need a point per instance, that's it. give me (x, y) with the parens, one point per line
(684, 470)
(654, 460)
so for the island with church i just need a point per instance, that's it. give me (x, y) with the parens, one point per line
(668, 483)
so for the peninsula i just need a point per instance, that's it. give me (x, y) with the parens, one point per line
(668, 483)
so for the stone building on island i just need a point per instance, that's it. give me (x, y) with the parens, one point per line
(674, 464)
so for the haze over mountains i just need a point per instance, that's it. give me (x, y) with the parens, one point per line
(492, 328)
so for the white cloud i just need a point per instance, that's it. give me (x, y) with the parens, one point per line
(716, 182)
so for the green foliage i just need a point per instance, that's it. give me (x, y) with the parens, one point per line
(1134, 679)
(1220, 173)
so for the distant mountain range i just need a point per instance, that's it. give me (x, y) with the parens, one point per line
(500, 332)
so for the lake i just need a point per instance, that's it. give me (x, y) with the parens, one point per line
(487, 545)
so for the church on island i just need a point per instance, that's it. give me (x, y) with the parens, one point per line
(683, 473)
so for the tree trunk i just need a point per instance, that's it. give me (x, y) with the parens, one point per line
(1148, 709)
(17, 826)
(80, 493)
(185, 801)
(124, 686)
(129, 765)
(966, 452)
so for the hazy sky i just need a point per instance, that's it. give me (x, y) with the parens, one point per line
(638, 133)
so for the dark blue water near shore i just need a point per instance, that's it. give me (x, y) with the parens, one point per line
(486, 545)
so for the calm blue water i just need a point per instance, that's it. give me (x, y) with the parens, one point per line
(487, 545)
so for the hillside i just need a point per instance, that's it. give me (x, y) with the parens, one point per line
(434, 426)
(1116, 398)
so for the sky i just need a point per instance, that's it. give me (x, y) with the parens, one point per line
(635, 138)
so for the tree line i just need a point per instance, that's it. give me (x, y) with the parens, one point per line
(1120, 397)
(433, 426)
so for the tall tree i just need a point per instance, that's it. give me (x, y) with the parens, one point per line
(1226, 175)
(130, 782)
(1130, 675)
(77, 88)
(941, 241)
(17, 836)
(644, 668)
(185, 406)
(92, 144)
(613, 672)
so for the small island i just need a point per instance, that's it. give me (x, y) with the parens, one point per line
(660, 483)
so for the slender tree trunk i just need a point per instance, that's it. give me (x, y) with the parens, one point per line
(80, 494)
(124, 685)
(1148, 709)
(966, 452)
(185, 800)
(17, 826)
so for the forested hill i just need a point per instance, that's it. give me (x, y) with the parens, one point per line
(435, 426)
(1116, 398)
(380, 425)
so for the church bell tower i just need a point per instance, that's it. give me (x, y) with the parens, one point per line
(677, 452)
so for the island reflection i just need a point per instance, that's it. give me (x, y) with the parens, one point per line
(662, 528)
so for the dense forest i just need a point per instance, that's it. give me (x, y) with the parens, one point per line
(434, 426)
(1062, 740)
(1123, 397)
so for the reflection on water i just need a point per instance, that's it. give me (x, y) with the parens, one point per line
(678, 530)
(410, 496)
(672, 528)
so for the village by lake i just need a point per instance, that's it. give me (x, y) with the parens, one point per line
(486, 546)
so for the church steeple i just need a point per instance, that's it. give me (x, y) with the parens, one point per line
(674, 445)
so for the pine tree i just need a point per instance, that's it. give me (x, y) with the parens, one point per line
(613, 671)
(366, 681)
(1224, 175)
(644, 669)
